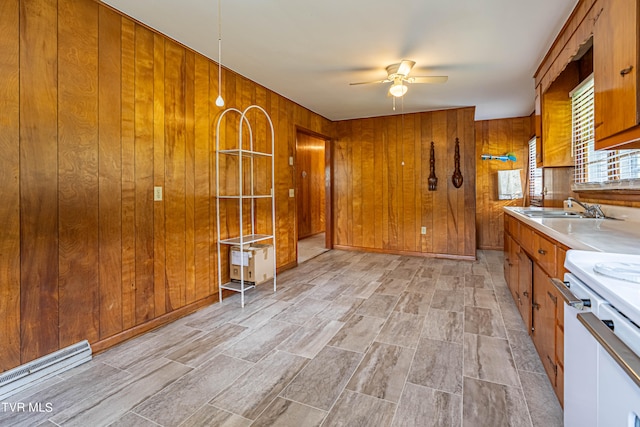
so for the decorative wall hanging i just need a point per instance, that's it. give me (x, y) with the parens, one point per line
(457, 175)
(508, 156)
(433, 179)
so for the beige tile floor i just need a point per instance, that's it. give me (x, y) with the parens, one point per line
(349, 339)
(311, 247)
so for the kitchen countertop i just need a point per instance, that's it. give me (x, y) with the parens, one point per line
(589, 234)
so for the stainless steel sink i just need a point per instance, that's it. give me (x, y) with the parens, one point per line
(548, 213)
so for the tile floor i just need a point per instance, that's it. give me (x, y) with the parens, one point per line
(311, 247)
(350, 339)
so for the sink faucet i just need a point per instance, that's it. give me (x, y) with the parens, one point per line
(590, 211)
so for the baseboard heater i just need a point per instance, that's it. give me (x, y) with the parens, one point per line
(24, 376)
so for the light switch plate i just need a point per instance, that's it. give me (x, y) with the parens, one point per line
(290, 160)
(292, 193)
(157, 194)
(423, 230)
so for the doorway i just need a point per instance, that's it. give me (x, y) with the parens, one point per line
(313, 194)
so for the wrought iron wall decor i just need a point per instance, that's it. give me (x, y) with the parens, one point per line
(433, 179)
(457, 175)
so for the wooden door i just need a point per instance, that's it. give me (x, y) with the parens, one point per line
(310, 182)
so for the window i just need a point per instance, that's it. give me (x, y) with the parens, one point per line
(535, 173)
(598, 170)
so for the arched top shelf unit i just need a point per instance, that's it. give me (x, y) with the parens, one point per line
(244, 190)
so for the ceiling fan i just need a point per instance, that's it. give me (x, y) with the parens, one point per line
(398, 74)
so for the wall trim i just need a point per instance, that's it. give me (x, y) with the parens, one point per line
(399, 252)
(105, 344)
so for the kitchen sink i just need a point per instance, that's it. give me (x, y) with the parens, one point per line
(550, 213)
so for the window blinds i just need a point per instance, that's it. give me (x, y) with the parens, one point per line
(535, 173)
(596, 169)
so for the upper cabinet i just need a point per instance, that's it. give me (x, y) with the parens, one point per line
(556, 119)
(613, 27)
(615, 63)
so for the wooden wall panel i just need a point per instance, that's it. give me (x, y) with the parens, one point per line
(9, 182)
(497, 137)
(401, 201)
(159, 237)
(38, 179)
(426, 205)
(368, 182)
(190, 180)
(128, 174)
(97, 110)
(143, 135)
(201, 184)
(355, 187)
(310, 185)
(378, 166)
(78, 171)
(110, 172)
(175, 198)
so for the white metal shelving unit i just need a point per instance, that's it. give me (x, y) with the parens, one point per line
(241, 239)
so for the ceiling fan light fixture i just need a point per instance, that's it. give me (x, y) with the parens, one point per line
(398, 89)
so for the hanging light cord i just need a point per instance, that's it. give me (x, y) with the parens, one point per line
(402, 126)
(219, 100)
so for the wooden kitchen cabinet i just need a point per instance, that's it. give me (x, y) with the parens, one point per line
(545, 254)
(543, 321)
(531, 259)
(556, 119)
(527, 238)
(512, 250)
(525, 276)
(615, 70)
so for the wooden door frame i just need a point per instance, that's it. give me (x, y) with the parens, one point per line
(328, 184)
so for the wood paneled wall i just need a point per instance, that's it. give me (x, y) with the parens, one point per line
(498, 137)
(381, 197)
(96, 111)
(310, 183)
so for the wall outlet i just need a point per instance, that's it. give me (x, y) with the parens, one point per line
(423, 230)
(157, 194)
(292, 193)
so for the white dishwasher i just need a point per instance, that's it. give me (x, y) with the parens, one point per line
(602, 339)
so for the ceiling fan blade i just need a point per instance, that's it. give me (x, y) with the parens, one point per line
(427, 79)
(405, 67)
(373, 82)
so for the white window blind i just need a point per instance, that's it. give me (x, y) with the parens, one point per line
(605, 169)
(535, 173)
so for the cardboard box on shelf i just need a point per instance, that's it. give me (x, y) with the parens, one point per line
(256, 261)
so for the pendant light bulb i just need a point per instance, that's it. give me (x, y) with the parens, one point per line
(219, 100)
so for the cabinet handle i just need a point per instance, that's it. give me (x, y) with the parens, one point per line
(626, 71)
(542, 252)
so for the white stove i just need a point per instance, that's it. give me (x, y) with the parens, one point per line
(602, 339)
(624, 295)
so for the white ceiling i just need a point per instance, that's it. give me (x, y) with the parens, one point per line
(309, 52)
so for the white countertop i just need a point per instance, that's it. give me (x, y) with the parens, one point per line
(589, 234)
